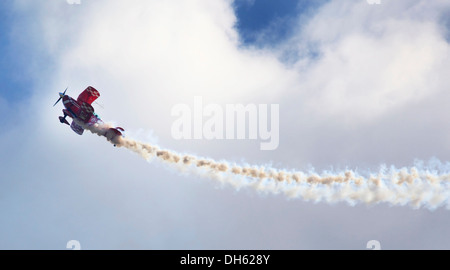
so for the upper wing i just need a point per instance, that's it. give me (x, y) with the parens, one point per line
(89, 95)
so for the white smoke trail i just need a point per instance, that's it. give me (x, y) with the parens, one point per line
(415, 186)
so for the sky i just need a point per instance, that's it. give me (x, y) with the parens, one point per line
(359, 86)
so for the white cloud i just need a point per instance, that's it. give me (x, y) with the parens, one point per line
(371, 60)
(147, 56)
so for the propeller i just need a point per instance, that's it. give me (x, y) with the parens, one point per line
(61, 95)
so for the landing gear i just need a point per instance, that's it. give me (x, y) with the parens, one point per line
(63, 120)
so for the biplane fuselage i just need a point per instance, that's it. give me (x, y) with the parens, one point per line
(82, 112)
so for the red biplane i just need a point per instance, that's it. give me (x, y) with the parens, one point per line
(81, 110)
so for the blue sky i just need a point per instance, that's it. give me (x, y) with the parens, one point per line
(16, 56)
(259, 16)
(358, 86)
(265, 23)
